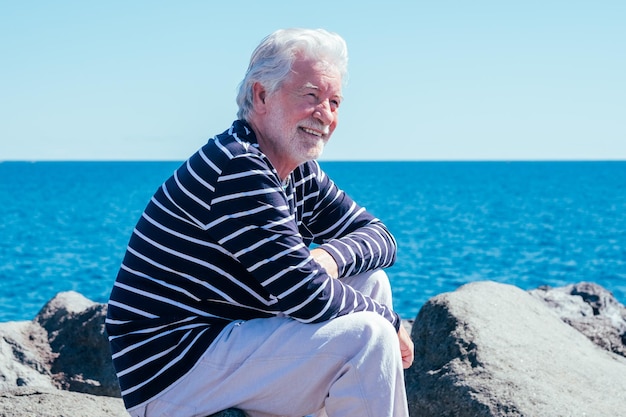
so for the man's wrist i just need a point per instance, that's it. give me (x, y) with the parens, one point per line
(327, 262)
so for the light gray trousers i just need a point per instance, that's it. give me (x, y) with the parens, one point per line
(346, 367)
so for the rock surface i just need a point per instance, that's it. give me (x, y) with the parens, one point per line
(65, 346)
(60, 364)
(491, 349)
(486, 349)
(76, 335)
(52, 402)
(590, 309)
(25, 355)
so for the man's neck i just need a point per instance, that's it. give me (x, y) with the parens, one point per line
(281, 162)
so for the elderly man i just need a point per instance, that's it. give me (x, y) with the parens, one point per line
(221, 303)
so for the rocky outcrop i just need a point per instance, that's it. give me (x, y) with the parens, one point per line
(486, 349)
(77, 337)
(52, 402)
(64, 347)
(491, 349)
(25, 356)
(60, 364)
(590, 309)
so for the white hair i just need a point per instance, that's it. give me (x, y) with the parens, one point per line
(271, 61)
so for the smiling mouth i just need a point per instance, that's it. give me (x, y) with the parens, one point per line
(314, 132)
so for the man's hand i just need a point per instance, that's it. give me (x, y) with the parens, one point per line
(406, 344)
(326, 261)
(406, 347)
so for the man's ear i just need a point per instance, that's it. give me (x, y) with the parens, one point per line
(258, 97)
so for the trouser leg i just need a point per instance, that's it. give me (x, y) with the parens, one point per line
(374, 284)
(350, 365)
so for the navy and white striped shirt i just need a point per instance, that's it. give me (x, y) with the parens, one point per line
(224, 239)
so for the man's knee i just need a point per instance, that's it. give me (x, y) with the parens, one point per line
(374, 284)
(371, 342)
(375, 330)
(381, 287)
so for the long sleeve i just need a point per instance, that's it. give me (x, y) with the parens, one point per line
(249, 205)
(357, 241)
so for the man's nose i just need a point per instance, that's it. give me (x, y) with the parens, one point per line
(324, 112)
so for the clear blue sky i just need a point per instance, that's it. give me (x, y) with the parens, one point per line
(429, 80)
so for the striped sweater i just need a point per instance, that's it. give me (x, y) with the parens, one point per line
(224, 239)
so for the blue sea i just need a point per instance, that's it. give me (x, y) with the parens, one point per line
(65, 225)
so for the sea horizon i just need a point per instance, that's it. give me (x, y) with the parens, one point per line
(526, 223)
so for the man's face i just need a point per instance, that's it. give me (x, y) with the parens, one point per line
(302, 114)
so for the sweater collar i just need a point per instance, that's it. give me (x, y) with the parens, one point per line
(242, 130)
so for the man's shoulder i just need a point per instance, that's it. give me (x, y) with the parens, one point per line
(238, 140)
(234, 144)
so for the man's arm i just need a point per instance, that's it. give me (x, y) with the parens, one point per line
(253, 221)
(406, 344)
(354, 238)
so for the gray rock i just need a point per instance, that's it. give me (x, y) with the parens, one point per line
(590, 309)
(491, 349)
(486, 349)
(60, 364)
(25, 355)
(77, 335)
(51, 402)
(65, 347)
